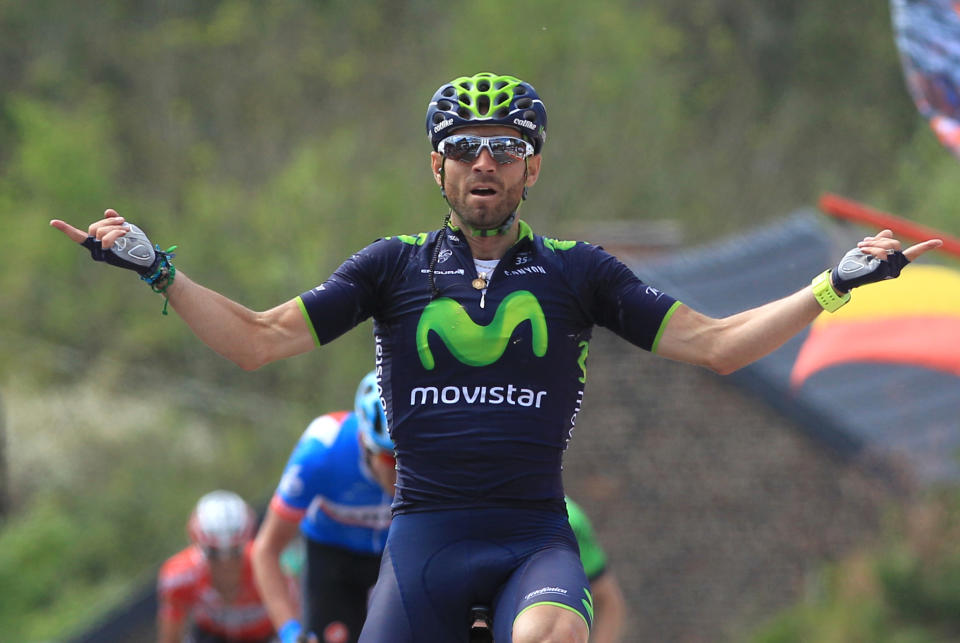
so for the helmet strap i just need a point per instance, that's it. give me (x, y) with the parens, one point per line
(443, 179)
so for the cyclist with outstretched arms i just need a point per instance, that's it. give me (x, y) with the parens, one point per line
(335, 490)
(481, 335)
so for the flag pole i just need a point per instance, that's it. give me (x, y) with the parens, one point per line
(842, 208)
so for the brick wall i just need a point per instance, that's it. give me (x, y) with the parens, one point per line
(715, 511)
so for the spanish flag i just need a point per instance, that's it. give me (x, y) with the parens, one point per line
(914, 319)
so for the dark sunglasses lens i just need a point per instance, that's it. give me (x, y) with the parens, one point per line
(462, 148)
(213, 553)
(507, 149)
(503, 149)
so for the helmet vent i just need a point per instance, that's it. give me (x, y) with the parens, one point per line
(463, 112)
(503, 112)
(520, 90)
(443, 105)
(483, 86)
(483, 104)
(449, 91)
(464, 98)
(524, 103)
(438, 117)
(530, 115)
(502, 98)
(500, 84)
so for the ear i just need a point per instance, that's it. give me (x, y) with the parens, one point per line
(436, 162)
(533, 169)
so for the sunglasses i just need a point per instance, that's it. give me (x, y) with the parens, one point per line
(503, 149)
(384, 457)
(217, 553)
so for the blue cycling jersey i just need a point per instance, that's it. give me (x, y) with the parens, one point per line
(329, 488)
(482, 390)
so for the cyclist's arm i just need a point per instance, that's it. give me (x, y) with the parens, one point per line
(174, 600)
(609, 609)
(171, 618)
(724, 345)
(272, 538)
(246, 337)
(250, 339)
(727, 344)
(170, 631)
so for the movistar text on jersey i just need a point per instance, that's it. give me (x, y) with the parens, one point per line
(509, 394)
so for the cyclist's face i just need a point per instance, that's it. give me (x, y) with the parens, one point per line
(226, 575)
(483, 192)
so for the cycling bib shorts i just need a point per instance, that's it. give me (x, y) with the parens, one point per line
(438, 564)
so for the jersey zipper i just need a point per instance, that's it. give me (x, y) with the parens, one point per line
(511, 251)
(483, 293)
(508, 255)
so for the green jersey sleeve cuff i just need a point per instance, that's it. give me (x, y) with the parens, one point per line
(663, 325)
(306, 317)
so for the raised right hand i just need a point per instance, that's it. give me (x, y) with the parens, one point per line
(115, 242)
(875, 259)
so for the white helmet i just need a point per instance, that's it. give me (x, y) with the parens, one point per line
(221, 520)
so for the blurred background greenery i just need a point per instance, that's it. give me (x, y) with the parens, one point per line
(269, 139)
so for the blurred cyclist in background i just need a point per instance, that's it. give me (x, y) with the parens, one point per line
(609, 606)
(336, 490)
(206, 591)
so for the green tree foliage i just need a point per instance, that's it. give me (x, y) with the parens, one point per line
(270, 139)
(904, 589)
(111, 478)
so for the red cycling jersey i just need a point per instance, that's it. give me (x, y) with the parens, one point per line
(186, 591)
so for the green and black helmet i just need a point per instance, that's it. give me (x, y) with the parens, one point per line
(487, 99)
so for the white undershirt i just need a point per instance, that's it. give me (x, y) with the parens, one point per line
(485, 268)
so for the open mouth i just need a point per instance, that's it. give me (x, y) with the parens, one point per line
(483, 191)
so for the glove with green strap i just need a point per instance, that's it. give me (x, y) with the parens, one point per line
(133, 251)
(856, 268)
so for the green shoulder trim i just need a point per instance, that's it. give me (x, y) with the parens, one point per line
(526, 232)
(306, 316)
(413, 239)
(555, 244)
(663, 325)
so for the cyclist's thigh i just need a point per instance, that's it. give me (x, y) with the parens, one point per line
(436, 566)
(552, 576)
(386, 617)
(336, 585)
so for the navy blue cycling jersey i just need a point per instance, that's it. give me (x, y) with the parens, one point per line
(482, 390)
